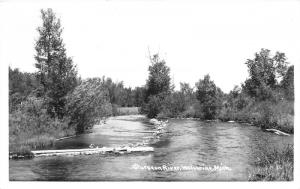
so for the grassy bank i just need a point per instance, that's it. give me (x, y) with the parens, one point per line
(31, 128)
(265, 114)
(117, 111)
(29, 133)
(274, 165)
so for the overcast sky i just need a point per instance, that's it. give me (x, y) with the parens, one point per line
(112, 38)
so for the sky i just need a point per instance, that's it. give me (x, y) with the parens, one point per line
(114, 38)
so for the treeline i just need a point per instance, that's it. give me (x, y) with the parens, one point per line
(23, 85)
(54, 101)
(265, 99)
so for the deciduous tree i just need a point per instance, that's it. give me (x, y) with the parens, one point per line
(207, 95)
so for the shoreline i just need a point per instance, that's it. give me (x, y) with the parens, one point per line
(260, 125)
(29, 155)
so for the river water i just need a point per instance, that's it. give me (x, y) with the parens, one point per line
(190, 143)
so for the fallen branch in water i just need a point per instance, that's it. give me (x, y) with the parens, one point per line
(277, 132)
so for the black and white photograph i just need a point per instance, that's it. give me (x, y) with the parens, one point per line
(150, 90)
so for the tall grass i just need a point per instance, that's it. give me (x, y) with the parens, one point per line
(266, 114)
(274, 165)
(125, 110)
(30, 127)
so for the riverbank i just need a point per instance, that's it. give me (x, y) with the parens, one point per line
(182, 142)
(119, 111)
(273, 165)
(28, 132)
(22, 142)
(265, 115)
(276, 131)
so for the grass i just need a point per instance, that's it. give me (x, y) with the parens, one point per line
(31, 128)
(126, 111)
(22, 142)
(264, 114)
(25, 142)
(274, 165)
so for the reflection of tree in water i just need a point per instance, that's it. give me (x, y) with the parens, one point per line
(162, 142)
(208, 144)
(57, 169)
(189, 143)
(161, 150)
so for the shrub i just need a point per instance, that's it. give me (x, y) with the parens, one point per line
(88, 103)
(189, 112)
(173, 105)
(209, 97)
(30, 127)
(266, 114)
(154, 106)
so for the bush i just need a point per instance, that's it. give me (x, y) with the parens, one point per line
(30, 127)
(266, 114)
(173, 105)
(88, 103)
(154, 106)
(209, 97)
(189, 112)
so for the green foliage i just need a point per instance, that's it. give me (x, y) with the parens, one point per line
(56, 73)
(88, 103)
(208, 96)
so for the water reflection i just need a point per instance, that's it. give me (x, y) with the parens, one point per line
(185, 143)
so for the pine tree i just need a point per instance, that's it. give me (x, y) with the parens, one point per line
(56, 72)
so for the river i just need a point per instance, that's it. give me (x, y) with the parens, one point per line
(184, 143)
